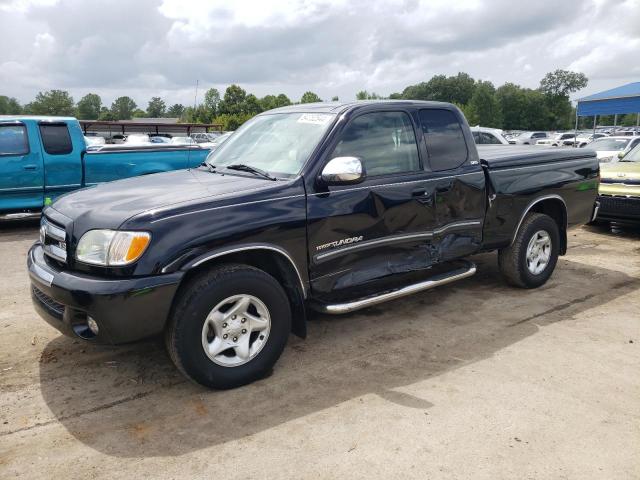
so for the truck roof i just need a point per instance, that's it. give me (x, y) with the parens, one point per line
(38, 118)
(339, 107)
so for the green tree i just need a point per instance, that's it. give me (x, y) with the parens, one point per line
(232, 121)
(335, 99)
(310, 97)
(211, 101)
(175, 111)
(483, 107)
(364, 95)
(455, 89)
(251, 105)
(122, 108)
(156, 108)
(512, 100)
(563, 82)
(9, 106)
(53, 102)
(282, 100)
(233, 101)
(139, 113)
(106, 115)
(89, 107)
(556, 87)
(395, 96)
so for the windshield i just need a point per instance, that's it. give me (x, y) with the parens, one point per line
(279, 143)
(632, 156)
(614, 144)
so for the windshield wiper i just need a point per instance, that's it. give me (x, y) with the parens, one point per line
(248, 168)
(211, 168)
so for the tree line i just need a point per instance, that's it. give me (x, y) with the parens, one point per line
(509, 106)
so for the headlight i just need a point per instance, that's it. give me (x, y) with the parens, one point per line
(111, 247)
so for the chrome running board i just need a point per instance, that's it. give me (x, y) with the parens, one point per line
(436, 281)
(20, 216)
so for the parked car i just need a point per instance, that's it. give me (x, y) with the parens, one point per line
(488, 136)
(44, 157)
(557, 140)
(94, 142)
(159, 139)
(619, 192)
(219, 140)
(609, 149)
(528, 138)
(583, 139)
(182, 141)
(335, 207)
(137, 139)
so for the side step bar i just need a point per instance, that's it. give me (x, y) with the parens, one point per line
(19, 216)
(436, 281)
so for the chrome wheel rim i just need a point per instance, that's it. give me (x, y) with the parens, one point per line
(236, 330)
(538, 252)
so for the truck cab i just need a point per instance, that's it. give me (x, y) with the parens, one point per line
(39, 154)
(42, 158)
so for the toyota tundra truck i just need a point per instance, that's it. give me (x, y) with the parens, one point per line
(331, 206)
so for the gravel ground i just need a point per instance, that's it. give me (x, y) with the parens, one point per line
(472, 380)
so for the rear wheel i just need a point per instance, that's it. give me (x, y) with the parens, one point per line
(229, 326)
(530, 260)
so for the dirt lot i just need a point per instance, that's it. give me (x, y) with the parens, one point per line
(473, 380)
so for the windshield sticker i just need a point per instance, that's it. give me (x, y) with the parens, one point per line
(315, 118)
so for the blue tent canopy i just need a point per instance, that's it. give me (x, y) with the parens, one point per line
(623, 99)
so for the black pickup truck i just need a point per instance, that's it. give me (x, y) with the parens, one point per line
(328, 206)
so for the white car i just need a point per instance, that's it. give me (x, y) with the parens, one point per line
(137, 139)
(584, 139)
(557, 140)
(488, 136)
(528, 138)
(609, 149)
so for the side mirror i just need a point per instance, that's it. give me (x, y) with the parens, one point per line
(621, 154)
(343, 171)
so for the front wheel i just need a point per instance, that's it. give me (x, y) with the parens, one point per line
(530, 260)
(229, 326)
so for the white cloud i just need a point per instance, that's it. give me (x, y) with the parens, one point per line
(334, 47)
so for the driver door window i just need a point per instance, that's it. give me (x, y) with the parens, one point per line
(384, 141)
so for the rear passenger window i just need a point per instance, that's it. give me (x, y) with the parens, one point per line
(56, 139)
(445, 139)
(488, 139)
(384, 141)
(13, 140)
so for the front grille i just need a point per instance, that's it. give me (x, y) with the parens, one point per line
(619, 206)
(53, 239)
(56, 309)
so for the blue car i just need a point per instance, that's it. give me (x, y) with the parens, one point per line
(42, 158)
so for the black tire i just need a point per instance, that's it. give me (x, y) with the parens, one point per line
(183, 335)
(513, 259)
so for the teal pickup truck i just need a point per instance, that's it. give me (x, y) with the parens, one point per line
(42, 158)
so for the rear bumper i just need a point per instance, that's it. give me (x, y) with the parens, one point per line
(125, 309)
(619, 209)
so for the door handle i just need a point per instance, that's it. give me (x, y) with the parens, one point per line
(419, 192)
(444, 187)
(30, 167)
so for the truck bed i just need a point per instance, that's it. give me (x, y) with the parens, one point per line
(502, 156)
(518, 176)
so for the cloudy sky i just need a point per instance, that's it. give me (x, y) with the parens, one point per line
(144, 48)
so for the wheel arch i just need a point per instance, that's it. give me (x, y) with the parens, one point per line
(555, 207)
(273, 260)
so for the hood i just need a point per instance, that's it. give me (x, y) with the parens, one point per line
(621, 171)
(108, 205)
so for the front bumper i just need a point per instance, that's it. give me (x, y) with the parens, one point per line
(125, 309)
(619, 209)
